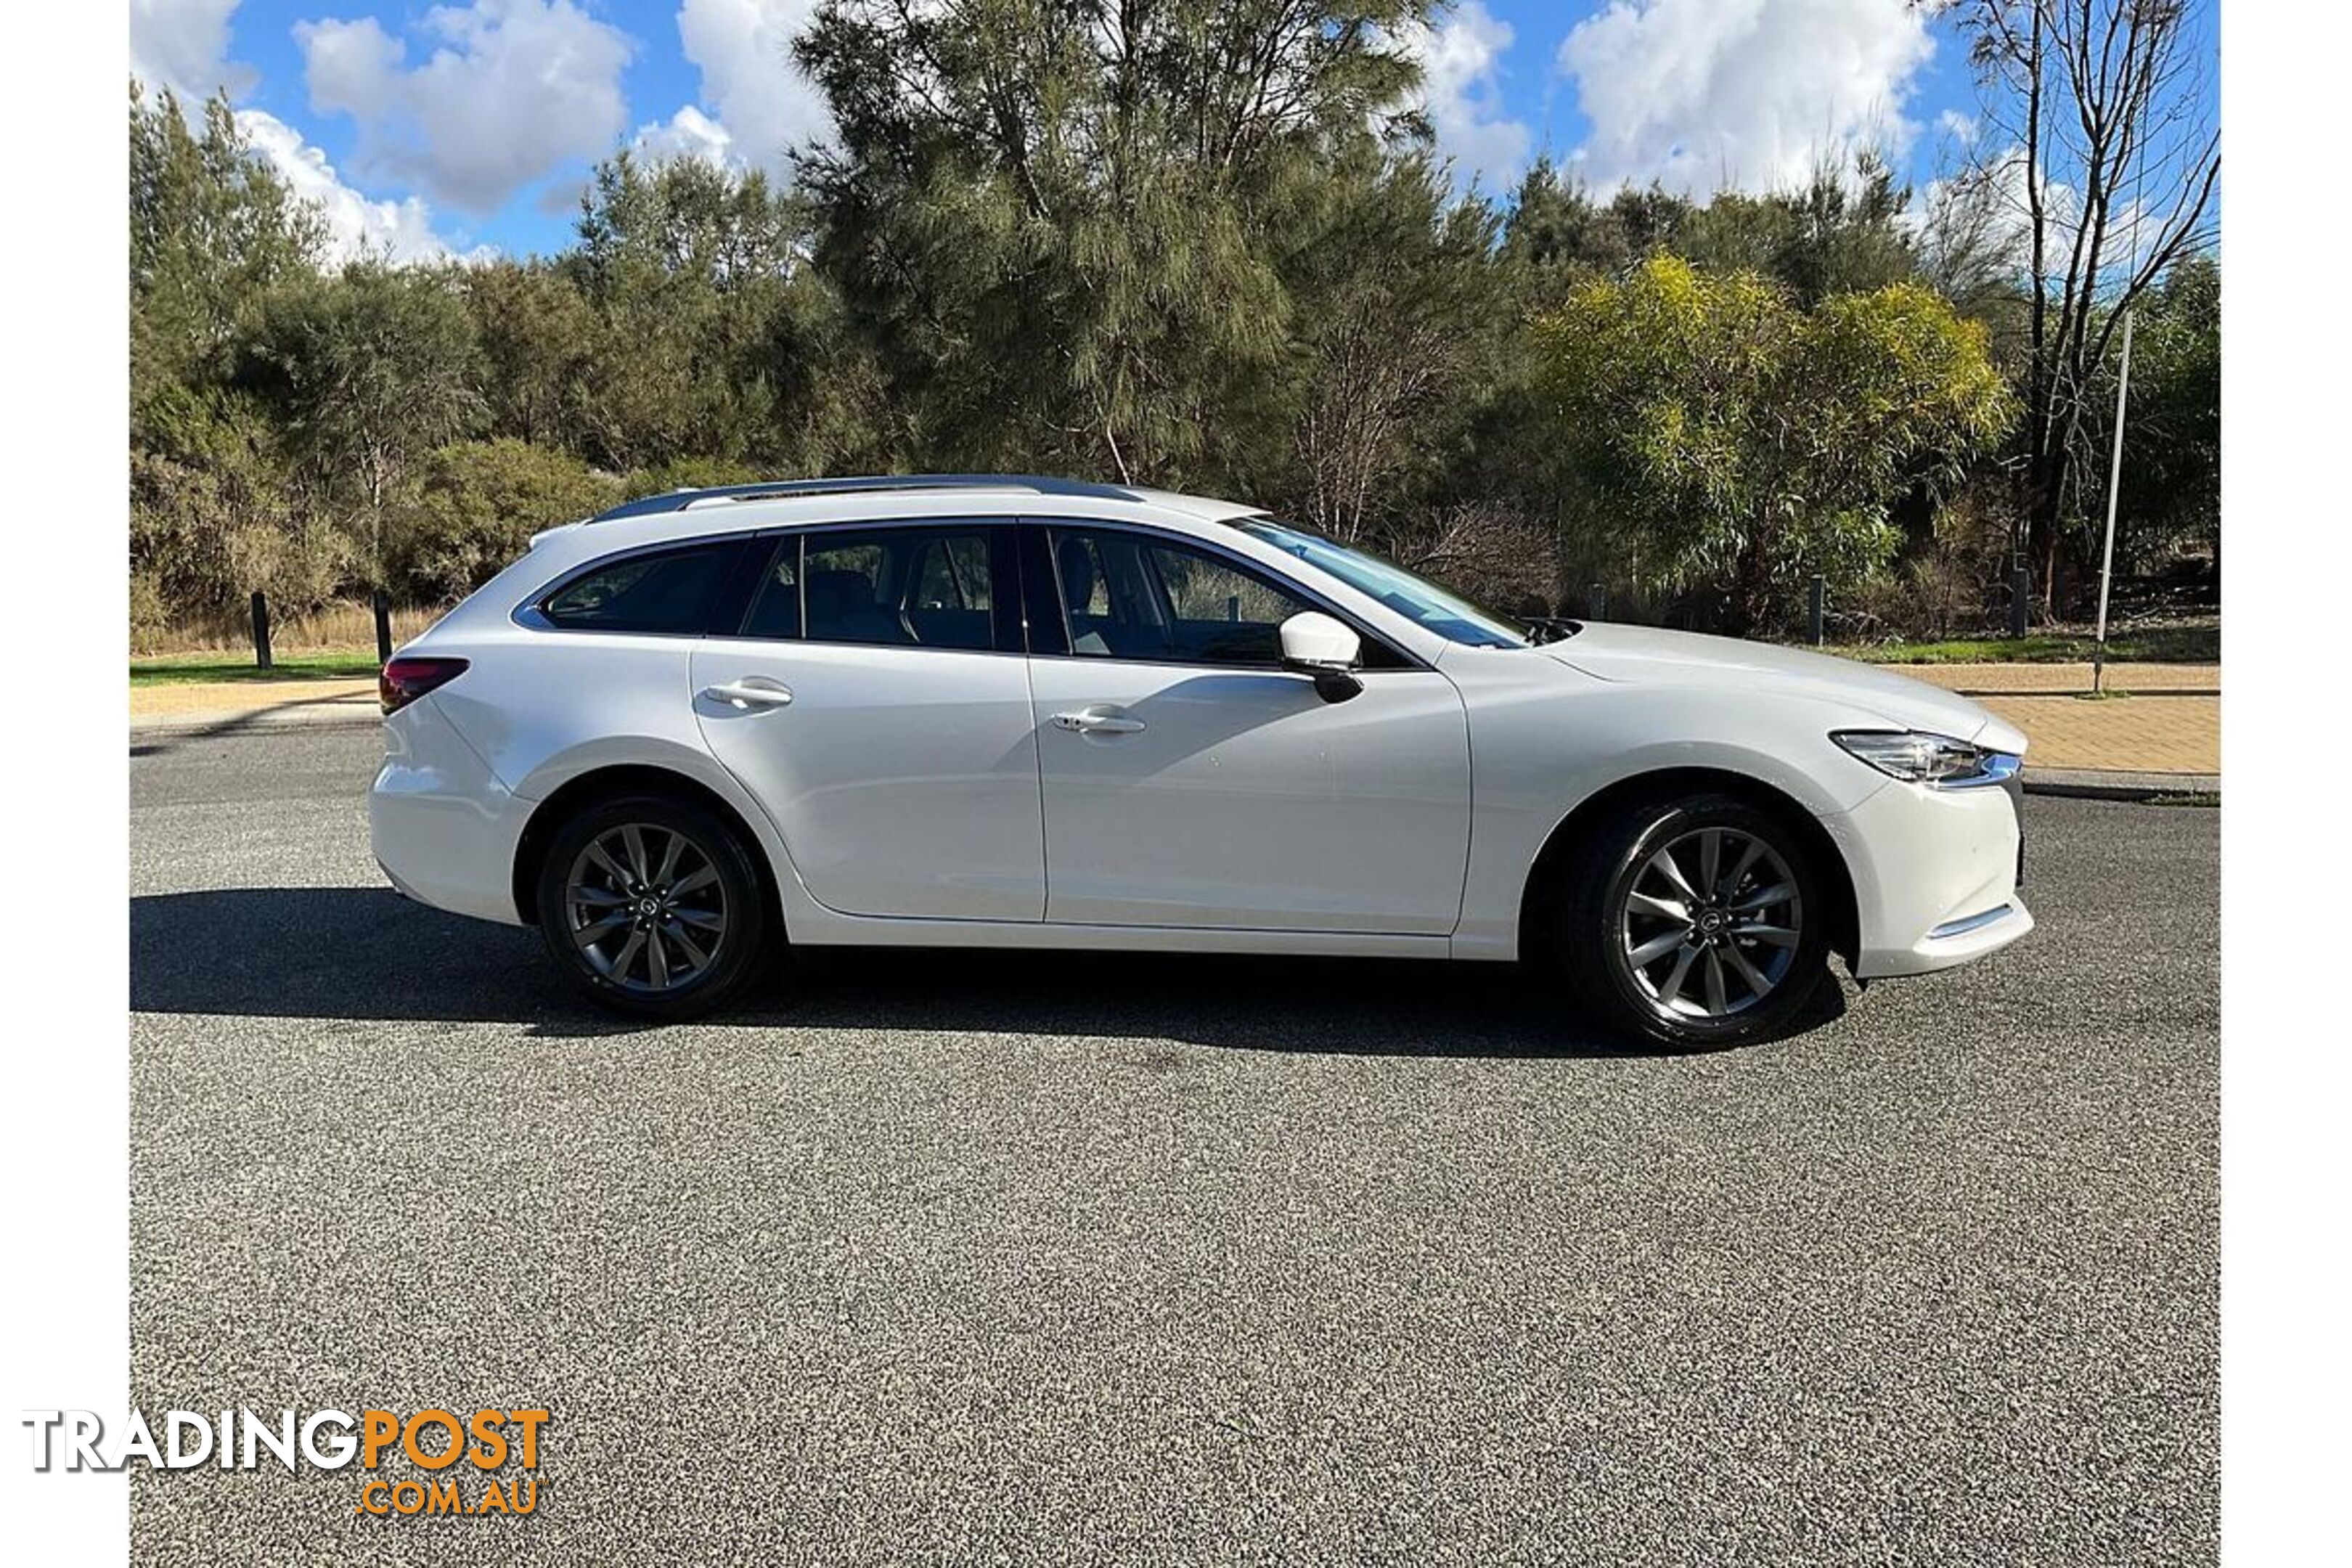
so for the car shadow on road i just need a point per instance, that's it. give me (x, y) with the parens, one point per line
(368, 953)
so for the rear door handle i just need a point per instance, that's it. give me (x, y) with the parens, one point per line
(1102, 719)
(751, 691)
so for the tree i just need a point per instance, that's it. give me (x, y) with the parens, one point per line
(1556, 226)
(213, 229)
(1050, 216)
(537, 338)
(1400, 316)
(2171, 496)
(2103, 152)
(1841, 232)
(712, 335)
(368, 371)
(475, 505)
(1737, 439)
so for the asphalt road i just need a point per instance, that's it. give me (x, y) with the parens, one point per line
(1027, 1258)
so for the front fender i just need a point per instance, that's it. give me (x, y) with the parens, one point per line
(1540, 753)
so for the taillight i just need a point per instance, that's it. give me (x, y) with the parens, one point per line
(404, 681)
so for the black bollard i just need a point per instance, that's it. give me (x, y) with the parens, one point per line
(261, 631)
(382, 627)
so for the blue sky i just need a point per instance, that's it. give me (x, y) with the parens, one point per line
(469, 124)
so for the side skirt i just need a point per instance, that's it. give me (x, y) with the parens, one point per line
(846, 931)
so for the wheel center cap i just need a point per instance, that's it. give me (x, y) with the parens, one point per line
(1711, 922)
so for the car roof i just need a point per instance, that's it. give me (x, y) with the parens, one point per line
(776, 503)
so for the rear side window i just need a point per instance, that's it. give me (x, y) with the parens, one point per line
(669, 592)
(898, 587)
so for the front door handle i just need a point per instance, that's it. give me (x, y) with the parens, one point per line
(751, 691)
(1100, 720)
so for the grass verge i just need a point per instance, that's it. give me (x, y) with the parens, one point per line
(2165, 644)
(182, 668)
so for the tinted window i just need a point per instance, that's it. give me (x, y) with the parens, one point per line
(776, 612)
(1129, 596)
(909, 587)
(666, 592)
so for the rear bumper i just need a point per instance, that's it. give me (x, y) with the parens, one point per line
(1936, 877)
(441, 826)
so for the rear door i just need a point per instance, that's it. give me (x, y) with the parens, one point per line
(877, 702)
(1189, 780)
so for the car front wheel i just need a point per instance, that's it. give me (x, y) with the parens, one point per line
(651, 906)
(1695, 922)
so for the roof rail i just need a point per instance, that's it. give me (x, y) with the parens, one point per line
(864, 484)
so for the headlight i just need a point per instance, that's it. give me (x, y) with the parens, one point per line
(1917, 758)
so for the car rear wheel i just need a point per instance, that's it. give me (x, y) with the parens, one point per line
(652, 906)
(1699, 921)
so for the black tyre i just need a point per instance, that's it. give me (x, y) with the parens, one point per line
(1697, 923)
(653, 906)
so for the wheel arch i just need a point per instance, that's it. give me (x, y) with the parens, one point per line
(1541, 889)
(611, 782)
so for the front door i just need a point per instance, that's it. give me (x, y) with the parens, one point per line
(1189, 781)
(876, 703)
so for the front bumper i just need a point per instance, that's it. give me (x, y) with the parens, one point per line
(1935, 874)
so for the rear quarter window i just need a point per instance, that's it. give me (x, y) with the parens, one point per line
(668, 591)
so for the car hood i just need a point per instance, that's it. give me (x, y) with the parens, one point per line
(1647, 655)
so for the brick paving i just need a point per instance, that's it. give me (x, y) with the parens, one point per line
(2172, 723)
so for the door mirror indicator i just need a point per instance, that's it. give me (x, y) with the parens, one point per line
(1314, 643)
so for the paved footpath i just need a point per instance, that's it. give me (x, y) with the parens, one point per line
(2168, 722)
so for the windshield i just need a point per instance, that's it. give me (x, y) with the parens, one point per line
(1418, 600)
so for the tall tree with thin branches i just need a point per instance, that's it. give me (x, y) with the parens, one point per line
(2100, 156)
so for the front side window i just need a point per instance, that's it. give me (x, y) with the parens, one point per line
(903, 587)
(672, 590)
(1127, 595)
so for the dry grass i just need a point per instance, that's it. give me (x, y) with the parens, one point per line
(343, 626)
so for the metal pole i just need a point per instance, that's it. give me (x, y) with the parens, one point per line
(382, 627)
(1597, 602)
(260, 630)
(2021, 585)
(2108, 551)
(1820, 597)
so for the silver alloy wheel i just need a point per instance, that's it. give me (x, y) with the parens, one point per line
(1710, 923)
(645, 905)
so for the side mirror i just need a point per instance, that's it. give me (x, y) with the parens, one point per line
(1314, 643)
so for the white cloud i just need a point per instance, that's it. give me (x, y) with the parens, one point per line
(1751, 94)
(688, 133)
(1959, 126)
(400, 231)
(513, 89)
(759, 104)
(184, 44)
(1460, 93)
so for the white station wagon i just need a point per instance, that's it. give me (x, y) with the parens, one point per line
(698, 729)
